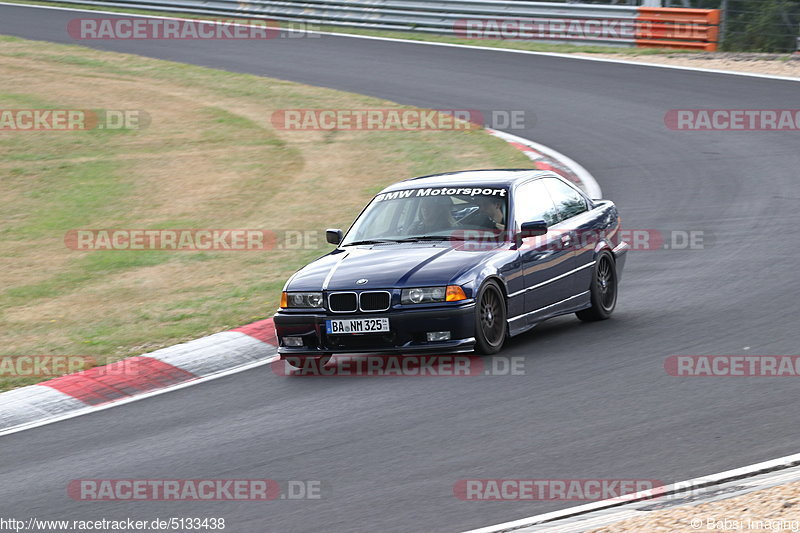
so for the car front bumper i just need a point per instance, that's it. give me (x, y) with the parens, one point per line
(408, 331)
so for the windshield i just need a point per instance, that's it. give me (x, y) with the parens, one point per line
(430, 214)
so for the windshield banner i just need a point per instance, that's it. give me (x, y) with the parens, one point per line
(443, 191)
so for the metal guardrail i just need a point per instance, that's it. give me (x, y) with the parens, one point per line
(472, 19)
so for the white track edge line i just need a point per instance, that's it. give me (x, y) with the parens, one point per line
(699, 482)
(432, 43)
(592, 187)
(92, 409)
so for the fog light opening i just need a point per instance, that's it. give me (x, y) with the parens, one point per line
(295, 342)
(438, 336)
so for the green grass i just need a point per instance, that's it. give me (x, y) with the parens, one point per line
(210, 158)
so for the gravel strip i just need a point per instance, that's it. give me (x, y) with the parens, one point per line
(770, 64)
(774, 509)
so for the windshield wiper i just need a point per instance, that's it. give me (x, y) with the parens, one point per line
(407, 239)
(429, 238)
(370, 241)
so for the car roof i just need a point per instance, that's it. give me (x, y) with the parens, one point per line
(470, 177)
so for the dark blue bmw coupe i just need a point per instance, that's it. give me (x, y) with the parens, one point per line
(455, 262)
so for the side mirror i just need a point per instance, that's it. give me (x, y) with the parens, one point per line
(533, 228)
(333, 236)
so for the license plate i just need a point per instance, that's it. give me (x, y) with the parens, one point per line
(357, 325)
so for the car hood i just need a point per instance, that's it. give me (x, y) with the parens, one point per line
(386, 266)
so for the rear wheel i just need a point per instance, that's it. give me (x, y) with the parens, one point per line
(308, 361)
(490, 319)
(603, 289)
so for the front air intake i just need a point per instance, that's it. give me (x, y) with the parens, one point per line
(374, 301)
(343, 302)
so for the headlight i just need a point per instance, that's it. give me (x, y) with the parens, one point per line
(424, 295)
(301, 299)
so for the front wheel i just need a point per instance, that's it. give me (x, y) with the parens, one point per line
(603, 289)
(490, 319)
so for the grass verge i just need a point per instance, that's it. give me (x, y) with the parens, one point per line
(210, 158)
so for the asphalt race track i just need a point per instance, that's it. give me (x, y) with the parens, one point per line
(595, 401)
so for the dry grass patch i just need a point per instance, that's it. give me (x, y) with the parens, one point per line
(210, 158)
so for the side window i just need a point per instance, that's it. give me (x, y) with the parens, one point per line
(568, 201)
(533, 202)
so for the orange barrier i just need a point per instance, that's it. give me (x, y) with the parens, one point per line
(665, 27)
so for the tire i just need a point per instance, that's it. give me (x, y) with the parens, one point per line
(300, 362)
(490, 319)
(603, 289)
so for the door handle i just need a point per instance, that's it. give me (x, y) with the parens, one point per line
(566, 240)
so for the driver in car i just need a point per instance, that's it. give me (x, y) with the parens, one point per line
(435, 216)
(490, 214)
